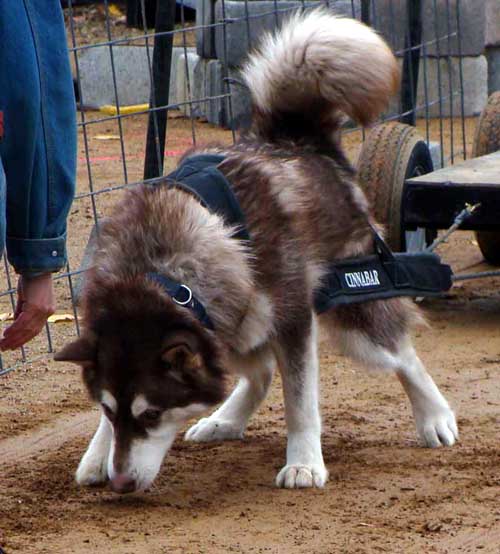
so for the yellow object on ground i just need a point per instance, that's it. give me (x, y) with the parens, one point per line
(55, 318)
(115, 11)
(109, 109)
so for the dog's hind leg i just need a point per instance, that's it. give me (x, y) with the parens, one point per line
(435, 421)
(92, 469)
(376, 334)
(231, 419)
(298, 362)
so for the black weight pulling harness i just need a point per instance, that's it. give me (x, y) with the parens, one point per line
(378, 276)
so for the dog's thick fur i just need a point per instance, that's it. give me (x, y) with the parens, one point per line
(152, 365)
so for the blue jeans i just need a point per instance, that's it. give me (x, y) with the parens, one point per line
(38, 149)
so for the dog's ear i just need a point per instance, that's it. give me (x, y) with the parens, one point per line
(81, 351)
(184, 360)
(191, 363)
(181, 353)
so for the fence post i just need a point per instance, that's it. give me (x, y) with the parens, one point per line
(160, 88)
(411, 61)
(365, 11)
(134, 13)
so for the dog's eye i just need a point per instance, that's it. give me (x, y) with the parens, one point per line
(107, 412)
(151, 416)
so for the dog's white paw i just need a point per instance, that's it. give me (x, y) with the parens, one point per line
(92, 471)
(437, 427)
(208, 429)
(300, 476)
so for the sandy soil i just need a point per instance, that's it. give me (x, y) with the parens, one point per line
(385, 494)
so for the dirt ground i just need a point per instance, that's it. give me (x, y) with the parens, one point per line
(385, 494)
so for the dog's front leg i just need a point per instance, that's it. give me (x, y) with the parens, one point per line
(298, 362)
(230, 420)
(92, 469)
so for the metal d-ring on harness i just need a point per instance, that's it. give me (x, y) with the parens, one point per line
(188, 298)
(182, 295)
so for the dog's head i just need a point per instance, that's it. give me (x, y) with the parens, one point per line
(151, 366)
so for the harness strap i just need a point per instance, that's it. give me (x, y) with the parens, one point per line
(382, 275)
(199, 176)
(183, 296)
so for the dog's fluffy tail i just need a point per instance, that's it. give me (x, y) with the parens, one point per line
(315, 67)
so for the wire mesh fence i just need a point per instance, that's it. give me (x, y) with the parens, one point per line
(145, 95)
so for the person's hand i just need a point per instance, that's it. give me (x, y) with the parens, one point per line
(35, 303)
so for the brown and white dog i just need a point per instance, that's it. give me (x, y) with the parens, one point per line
(152, 365)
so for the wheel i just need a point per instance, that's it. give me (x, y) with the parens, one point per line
(489, 244)
(486, 141)
(487, 135)
(391, 153)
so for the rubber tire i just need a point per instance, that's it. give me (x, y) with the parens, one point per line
(487, 141)
(391, 153)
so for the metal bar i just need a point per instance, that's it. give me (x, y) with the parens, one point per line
(450, 83)
(440, 89)
(426, 93)
(478, 275)
(141, 13)
(151, 86)
(115, 90)
(275, 10)
(225, 72)
(461, 76)
(188, 78)
(21, 363)
(12, 292)
(411, 61)
(392, 21)
(82, 115)
(461, 217)
(247, 26)
(74, 303)
(365, 11)
(162, 61)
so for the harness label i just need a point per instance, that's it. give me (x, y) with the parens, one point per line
(361, 279)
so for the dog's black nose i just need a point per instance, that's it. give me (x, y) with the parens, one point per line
(123, 484)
